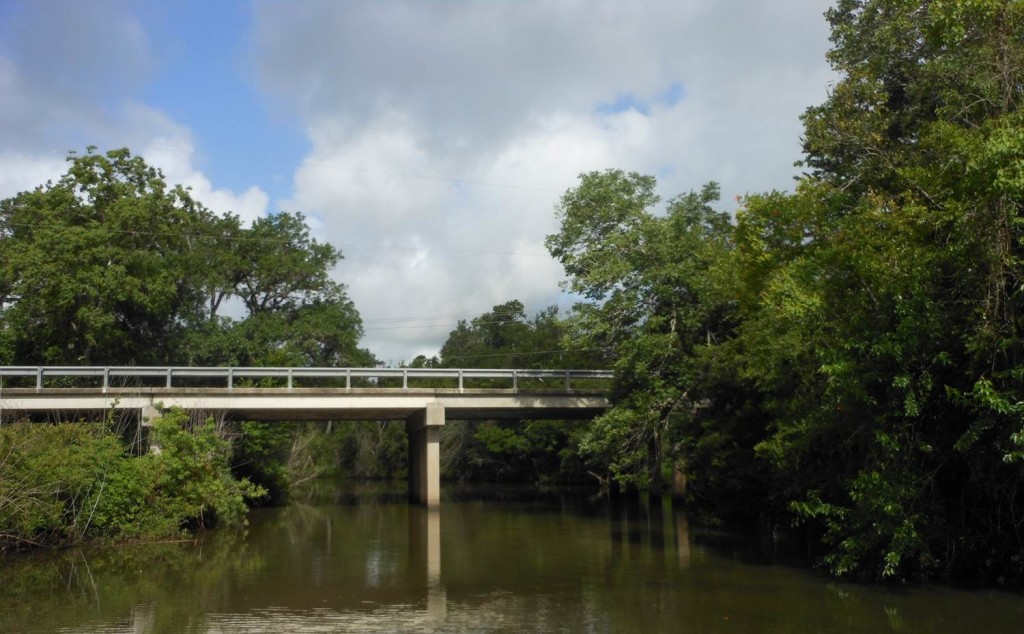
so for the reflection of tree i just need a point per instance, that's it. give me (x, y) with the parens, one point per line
(114, 584)
(532, 562)
(506, 564)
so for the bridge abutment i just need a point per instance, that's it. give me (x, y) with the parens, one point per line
(424, 431)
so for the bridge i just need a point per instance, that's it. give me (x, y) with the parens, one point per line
(423, 397)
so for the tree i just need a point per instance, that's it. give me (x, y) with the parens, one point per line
(648, 282)
(852, 351)
(523, 451)
(110, 265)
(486, 339)
(895, 287)
(103, 266)
(281, 267)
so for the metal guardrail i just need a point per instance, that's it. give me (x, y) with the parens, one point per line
(230, 374)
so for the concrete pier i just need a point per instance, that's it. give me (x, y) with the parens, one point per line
(145, 439)
(424, 430)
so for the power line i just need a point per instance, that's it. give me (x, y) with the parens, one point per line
(572, 351)
(256, 239)
(457, 181)
(467, 251)
(318, 164)
(440, 325)
(423, 327)
(417, 318)
(425, 317)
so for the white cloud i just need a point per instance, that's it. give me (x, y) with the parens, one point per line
(170, 147)
(445, 127)
(151, 134)
(419, 246)
(21, 171)
(69, 80)
(441, 134)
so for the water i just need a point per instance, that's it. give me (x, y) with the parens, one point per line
(504, 561)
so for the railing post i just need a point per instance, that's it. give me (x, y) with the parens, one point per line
(405, 379)
(106, 379)
(289, 378)
(515, 380)
(348, 378)
(169, 372)
(39, 378)
(231, 378)
(460, 381)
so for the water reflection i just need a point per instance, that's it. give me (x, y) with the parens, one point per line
(425, 547)
(558, 561)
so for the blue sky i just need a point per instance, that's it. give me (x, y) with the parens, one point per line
(430, 141)
(204, 79)
(668, 97)
(197, 69)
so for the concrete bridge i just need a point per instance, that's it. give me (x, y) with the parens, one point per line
(424, 397)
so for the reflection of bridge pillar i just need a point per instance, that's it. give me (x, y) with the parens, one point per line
(437, 598)
(425, 555)
(424, 431)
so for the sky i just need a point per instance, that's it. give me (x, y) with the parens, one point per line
(430, 141)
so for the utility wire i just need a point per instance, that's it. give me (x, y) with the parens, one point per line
(462, 315)
(494, 318)
(257, 239)
(497, 317)
(525, 354)
(318, 164)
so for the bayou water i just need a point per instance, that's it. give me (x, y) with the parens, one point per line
(492, 560)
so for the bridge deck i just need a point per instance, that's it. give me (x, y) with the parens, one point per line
(311, 403)
(58, 394)
(58, 391)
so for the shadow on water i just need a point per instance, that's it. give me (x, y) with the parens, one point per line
(493, 558)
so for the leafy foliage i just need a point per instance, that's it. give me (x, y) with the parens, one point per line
(513, 451)
(847, 356)
(68, 483)
(110, 265)
(651, 300)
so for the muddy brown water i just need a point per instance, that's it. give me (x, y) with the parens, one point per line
(491, 560)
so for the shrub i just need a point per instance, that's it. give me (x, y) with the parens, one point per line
(68, 483)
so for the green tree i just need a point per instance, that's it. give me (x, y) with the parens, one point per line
(281, 267)
(502, 450)
(110, 265)
(648, 279)
(102, 266)
(882, 311)
(69, 483)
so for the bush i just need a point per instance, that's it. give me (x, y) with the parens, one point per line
(68, 483)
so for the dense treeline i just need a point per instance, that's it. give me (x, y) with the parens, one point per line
(847, 356)
(527, 451)
(535, 451)
(110, 265)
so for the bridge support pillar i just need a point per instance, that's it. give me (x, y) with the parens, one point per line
(424, 431)
(148, 416)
